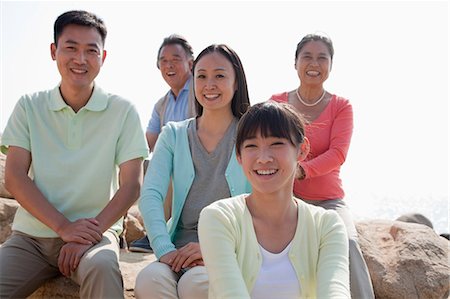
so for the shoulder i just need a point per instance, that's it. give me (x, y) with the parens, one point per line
(161, 100)
(175, 129)
(229, 208)
(179, 126)
(317, 215)
(340, 102)
(40, 102)
(37, 98)
(111, 103)
(280, 97)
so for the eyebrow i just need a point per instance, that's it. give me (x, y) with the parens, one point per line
(175, 55)
(310, 53)
(72, 42)
(216, 69)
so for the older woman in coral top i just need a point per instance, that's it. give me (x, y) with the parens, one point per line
(329, 130)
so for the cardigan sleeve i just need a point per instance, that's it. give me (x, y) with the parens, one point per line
(340, 137)
(154, 189)
(333, 264)
(217, 236)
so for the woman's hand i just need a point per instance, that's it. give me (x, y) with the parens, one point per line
(168, 257)
(187, 256)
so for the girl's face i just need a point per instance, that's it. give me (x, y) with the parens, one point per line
(313, 63)
(269, 163)
(214, 81)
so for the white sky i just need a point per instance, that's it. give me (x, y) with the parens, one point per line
(391, 61)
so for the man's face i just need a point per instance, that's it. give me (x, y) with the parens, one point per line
(175, 66)
(79, 56)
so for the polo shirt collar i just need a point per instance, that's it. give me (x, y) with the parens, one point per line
(97, 102)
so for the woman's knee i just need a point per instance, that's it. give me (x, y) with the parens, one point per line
(193, 284)
(157, 280)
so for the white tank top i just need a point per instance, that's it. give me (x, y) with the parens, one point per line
(277, 277)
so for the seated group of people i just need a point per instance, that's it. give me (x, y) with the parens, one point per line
(255, 204)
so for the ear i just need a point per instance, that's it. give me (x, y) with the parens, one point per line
(191, 63)
(103, 56)
(239, 159)
(53, 50)
(304, 149)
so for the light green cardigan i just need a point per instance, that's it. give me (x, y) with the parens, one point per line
(319, 251)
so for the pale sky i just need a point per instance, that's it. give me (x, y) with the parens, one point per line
(391, 61)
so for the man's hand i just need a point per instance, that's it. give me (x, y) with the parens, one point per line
(84, 231)
(70, 256)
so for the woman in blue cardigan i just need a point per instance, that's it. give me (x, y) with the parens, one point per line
(199, 155)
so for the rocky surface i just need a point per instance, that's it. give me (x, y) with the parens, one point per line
(8, 208)
(3, 192)
(134, 228)
(405, 260)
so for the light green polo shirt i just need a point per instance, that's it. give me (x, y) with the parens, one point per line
(75, 156)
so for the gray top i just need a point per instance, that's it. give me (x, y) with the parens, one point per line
(209, 183)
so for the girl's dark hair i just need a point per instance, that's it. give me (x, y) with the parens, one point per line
(240, 101)
(315, 37)
(271, 119)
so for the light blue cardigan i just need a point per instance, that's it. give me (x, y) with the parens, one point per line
(172, 158)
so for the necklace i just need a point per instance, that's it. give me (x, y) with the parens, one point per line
(308, 104)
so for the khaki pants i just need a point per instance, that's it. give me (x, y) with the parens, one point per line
(157, 280)
(27, 262)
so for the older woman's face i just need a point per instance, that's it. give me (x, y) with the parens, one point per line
(313, 63)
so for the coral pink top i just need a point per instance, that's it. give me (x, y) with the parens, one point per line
(330, 136)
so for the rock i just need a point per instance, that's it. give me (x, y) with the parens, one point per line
(134, 229)
(134, 211)
(60, 287)
(8, 209)
(3, 192)
(405, 260)
(130, 265)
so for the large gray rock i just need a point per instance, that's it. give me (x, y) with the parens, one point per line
(8, 209)
(405, 260)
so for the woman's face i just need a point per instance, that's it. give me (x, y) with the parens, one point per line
(214, 81)
(313, 63)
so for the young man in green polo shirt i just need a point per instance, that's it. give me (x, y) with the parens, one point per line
(75, 137)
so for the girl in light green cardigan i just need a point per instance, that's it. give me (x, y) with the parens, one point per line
(268, 244)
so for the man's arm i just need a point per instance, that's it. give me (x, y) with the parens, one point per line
(151, 140)
(24, 190)
(130, 177)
